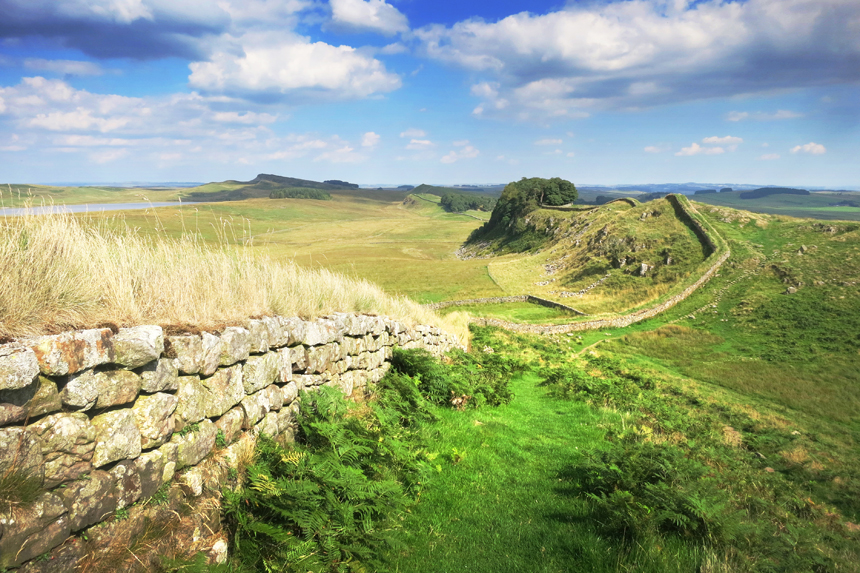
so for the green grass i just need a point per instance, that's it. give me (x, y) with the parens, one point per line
(814, 205)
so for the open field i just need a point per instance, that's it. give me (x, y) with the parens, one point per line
(406, 249)
(817, 205)
(515, 312)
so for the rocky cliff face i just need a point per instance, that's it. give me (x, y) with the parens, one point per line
(94, 421)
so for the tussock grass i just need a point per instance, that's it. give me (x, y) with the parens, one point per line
(62, 272)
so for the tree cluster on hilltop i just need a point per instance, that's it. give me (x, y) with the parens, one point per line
(459, 202)
(520, 198)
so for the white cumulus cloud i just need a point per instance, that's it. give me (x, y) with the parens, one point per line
(769, 156)
(282, 63)
(374, 15)
(467, 152)
(413, 132)
(548, 141)
(696, 149)
(370, 139)
(812, 148)
(420, 145)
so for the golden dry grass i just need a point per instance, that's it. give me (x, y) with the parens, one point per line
(62, 272)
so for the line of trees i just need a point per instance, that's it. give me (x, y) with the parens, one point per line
(459, 202)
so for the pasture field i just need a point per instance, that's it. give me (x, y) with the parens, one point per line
(514, 312)
(406, 249)
(816, 205)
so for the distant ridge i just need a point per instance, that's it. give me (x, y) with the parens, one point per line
(265, 185)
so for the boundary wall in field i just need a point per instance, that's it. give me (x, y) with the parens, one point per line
(505, 299)
(719, 253)
(103, 418)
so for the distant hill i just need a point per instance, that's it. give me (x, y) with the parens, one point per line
(767, 191)
(268, 185)
(495, 191)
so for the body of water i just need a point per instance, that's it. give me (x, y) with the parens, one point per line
(90, 208)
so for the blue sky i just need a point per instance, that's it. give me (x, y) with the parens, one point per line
(411, 91)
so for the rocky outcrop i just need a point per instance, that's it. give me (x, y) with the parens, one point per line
(102, 419)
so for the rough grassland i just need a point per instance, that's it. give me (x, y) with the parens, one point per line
(62, 272)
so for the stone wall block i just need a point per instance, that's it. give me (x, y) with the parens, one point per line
(139, 345)
(230, 423)
(194, 446)
(170, 451)
(100, 389)
(159, 376)
(31, 531)
(260, 371)
(276, 335)
(68, 443)
(40, 397)
(211, 357)
(149, 466)
(276, 397)
(191, 481)
(126, 487)
(346, 383)
(285, 364)
(321, 358)
(268, 425)
(291, 392)
(294, 329)
(154, 416)
(71, 352)
(299, 358)
(255, 407)
(321, 331)
(18, 366)
(222, 390)
(286, 420)
(186, 351)
(21, 451)
(235, 345)
(89, 500)
(258, 336)
(117, 437)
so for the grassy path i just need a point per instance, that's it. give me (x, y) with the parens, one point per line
(501, 508)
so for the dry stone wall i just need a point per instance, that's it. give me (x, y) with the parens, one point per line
(102, 419)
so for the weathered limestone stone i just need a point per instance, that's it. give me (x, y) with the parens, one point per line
(31, 531)
(170, 451)
(276, 397)
(139, 345)
(285, 364)
(64, 557)
(230, 423)
(117, 437)
(276, 336)
(258, 336)
(372, 343)
(89, 500)
(211, 355)
(191, 481)
(154, 417)
(291, 392)
(268, 425)
(320, 358)
(149, 467)
(68, 442)
(192, 400)
(308, 381)
(294, 329)
(235, 345)
(194, 446)
(159, 376)
(222, 391)
(320, 331)
(260, 371)
(40, 397)
(18, 366)
(299, 358)
(347, 383)
(21, 451)
(218, 553)
(100, 389)
(286, 420)
(186, 351)
(71, 352)
(127, 487)
(255, 406)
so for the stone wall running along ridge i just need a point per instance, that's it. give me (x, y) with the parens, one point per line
(102, 419)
